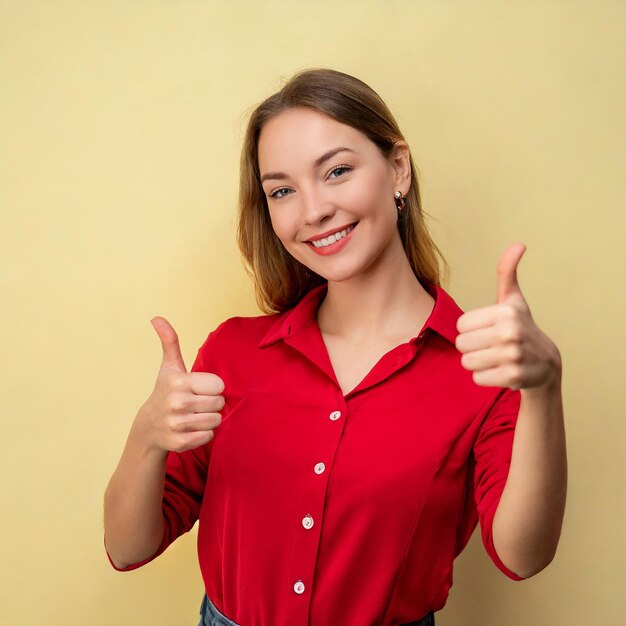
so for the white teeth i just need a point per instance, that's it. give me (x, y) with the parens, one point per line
(326, 241)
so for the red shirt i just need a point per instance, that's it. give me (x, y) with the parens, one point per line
(321, 509)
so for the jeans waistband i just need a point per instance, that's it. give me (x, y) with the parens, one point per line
(210, 616)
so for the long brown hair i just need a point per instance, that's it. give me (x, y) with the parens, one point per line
(280, 280)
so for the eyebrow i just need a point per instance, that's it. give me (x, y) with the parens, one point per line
(316, 163)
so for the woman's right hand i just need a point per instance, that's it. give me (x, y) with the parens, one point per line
(183, 409)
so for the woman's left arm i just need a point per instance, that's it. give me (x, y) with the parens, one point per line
(503, 347)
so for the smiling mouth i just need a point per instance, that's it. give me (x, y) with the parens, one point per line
(324, 242)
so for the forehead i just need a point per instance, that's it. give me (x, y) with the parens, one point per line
(302, 134)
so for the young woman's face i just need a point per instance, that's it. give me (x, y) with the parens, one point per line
(330, 192)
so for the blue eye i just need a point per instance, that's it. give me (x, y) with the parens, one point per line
(340, 167)
(275, 193)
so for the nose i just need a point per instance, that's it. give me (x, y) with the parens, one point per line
(316, 208)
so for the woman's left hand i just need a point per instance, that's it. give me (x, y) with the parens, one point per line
(501, 344)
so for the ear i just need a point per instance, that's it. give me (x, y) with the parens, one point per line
(400, 162)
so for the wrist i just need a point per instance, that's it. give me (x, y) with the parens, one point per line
(141, 437)
(551, 386)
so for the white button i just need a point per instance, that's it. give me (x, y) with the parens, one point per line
(335, 415)
(299, 587)
(307, 521)
(319, 468)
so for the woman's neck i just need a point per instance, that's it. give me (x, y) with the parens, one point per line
(387, 302)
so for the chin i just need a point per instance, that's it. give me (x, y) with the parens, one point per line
(337, 270)
(338, 275)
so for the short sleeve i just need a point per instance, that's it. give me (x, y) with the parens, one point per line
(185, 477)
(491, 462)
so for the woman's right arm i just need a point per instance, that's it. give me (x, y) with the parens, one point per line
(179, 415)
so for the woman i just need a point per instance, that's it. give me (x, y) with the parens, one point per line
(339, 451)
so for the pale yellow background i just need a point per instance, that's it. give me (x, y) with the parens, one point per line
(120, 129)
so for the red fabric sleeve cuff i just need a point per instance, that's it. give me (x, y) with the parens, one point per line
(132, 566)
(490, 547)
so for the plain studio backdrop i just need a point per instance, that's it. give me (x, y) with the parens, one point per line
(120, 129)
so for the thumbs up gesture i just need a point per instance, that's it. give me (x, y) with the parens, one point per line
(501, 344)
(183, 409)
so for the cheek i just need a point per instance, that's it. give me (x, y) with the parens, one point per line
(283, 226)
(370, 198)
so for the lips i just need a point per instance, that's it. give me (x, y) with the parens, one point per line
(328, 233)
(336, 246)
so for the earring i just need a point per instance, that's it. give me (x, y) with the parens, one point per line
(400, 201)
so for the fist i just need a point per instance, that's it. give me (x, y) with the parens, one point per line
(183, 409)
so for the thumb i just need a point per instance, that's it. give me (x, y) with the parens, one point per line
(507, 272)
(172, 357)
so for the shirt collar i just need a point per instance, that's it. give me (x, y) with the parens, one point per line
(442, 318)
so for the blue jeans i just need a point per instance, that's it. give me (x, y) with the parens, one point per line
(210, 616)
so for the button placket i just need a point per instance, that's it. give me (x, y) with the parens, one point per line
(308, 521)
